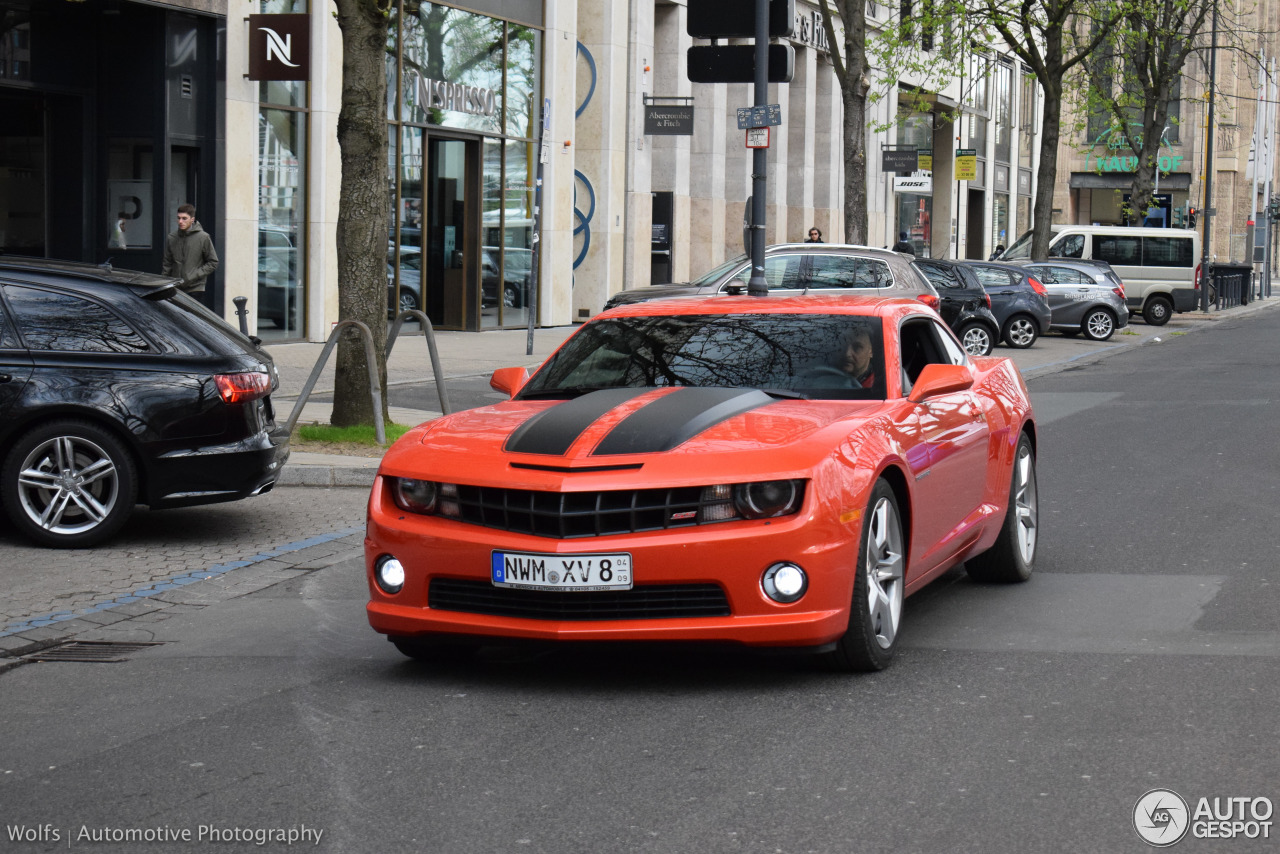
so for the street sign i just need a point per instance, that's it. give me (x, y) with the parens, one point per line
(759, 117)
(733, 19)
(737, 63)
(757, 137)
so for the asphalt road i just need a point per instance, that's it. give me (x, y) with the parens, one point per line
(1144, 653)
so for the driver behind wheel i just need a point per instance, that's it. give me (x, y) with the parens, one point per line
(855, 360)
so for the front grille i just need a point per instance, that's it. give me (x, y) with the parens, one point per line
(565, 515)
(647, 602)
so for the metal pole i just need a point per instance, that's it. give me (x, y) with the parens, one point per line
(1205, 272)
(758, 285)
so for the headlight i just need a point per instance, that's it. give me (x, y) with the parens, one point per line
(426, 497)
(784, 582)
(762, 500)
(767, 499)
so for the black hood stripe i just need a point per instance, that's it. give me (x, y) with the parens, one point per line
(554, 430)
(676, 418)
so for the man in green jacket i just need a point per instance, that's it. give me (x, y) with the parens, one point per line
(189, 252)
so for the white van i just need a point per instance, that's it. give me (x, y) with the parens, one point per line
(1160, 267)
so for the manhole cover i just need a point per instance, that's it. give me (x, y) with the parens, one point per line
(89, 651)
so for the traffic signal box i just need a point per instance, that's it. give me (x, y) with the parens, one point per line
(736, 19)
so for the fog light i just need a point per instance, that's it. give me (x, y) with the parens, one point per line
(389, 573)
(784, 582)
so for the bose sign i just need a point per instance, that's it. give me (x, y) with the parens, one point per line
(279, 47)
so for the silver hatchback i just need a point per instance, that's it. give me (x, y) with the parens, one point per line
(793, 268)
(1085, 296)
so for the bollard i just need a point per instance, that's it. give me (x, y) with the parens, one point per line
(242, 313)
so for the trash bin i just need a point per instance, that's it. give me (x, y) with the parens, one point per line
(1234, 284)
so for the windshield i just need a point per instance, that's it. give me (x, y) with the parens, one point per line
(712, 276)
(816, 356)
(1020, 250)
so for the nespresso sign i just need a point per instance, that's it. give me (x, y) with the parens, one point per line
(442, 95)
(279, 47)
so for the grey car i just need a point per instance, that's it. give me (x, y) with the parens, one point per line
(1085, 297)
(791, 268)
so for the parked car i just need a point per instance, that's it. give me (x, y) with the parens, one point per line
(770, 472)
(516, 276)
(792, 268)
(1018, 301)
(1160, 266)
(410, 279)
(963, 304)
(117, 389)
(1084, 296)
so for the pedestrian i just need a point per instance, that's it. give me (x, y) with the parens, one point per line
(904, 245)
(117, 240)
(815, 236)
(188, 252)
(996, 254)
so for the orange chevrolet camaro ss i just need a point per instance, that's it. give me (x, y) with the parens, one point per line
(770, 472)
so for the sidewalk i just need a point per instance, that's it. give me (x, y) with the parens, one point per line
(478, 354)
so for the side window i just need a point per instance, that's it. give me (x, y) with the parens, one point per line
(848, 271)
(1167, 252)
(940, 277)
(924, 343)
(993, 278)
(1046, 275)
(787, 272)
(8, 341)
(1071, 246)
(48, 320)
(1068, 276)
(1124, 251)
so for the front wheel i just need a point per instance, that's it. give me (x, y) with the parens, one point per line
(1021, 332)
(878, 588)
(976, 339)
(69, 484)
(1013, 555)
(1098, 325)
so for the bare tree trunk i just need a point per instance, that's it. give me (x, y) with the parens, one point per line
(362, 207)
(1047, 169)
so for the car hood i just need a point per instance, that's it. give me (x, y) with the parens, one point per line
(673, 434)
(649, 292)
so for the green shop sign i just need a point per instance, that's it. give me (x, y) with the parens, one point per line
(1114, 163)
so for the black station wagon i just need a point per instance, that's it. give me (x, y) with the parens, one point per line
(117, 389)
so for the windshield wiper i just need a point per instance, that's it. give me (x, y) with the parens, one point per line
(568, 392)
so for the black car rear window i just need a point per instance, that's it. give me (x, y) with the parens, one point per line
(203, 326)
(804, 353)
(56, 321)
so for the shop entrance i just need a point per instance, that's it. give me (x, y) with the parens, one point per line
(975, 247)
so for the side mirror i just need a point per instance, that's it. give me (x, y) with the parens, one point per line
(509, 380)
(940, 379)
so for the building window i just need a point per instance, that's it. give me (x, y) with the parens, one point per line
(282, 198)
(1003, 84)
(1026, 122)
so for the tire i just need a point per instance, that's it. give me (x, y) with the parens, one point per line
(1020, 332)
(408, 302)
(1013, 555)
(511, 297)
(976, 338)
(1157, 311)
(1098, 325)
(434, 650)
(69, 484)
(879, 583)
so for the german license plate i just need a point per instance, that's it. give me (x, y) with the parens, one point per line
(561, 572)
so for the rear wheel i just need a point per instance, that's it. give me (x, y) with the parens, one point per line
(69, 484)
(976, 339)
(1157, 311)
(1020, 332)
(1013, 555)
(878, 588)
(1098, 325)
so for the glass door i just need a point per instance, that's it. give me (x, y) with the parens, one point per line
(449, 232)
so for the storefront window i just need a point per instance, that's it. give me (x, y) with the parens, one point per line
(915, 217)
(453, 69)
(524, 46)
(405, 254)
(1000, 220)
(282, 209)
(128, 215)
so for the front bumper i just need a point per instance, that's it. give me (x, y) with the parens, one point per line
(730, 555)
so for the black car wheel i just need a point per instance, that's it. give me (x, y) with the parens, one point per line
(1013, 555)
(69, 484)
(1020, 332)
(976, 339)
(1157, 311)
(878, 588)
(1098, 325)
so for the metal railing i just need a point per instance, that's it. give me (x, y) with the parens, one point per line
(429, 332)
(1231, 290)
(375, 387)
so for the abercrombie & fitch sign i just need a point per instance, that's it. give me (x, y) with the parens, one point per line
(279, 47)
(441, 95)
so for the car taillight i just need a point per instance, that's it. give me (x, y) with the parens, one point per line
(930, 300)
(1037, 287)
(1118, 290)
(1197, 278)
(242, 388)
(987, 297)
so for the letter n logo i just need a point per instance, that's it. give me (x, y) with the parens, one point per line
(279, 47)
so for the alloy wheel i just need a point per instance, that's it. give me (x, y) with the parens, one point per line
(68, 485)
(884, 568)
